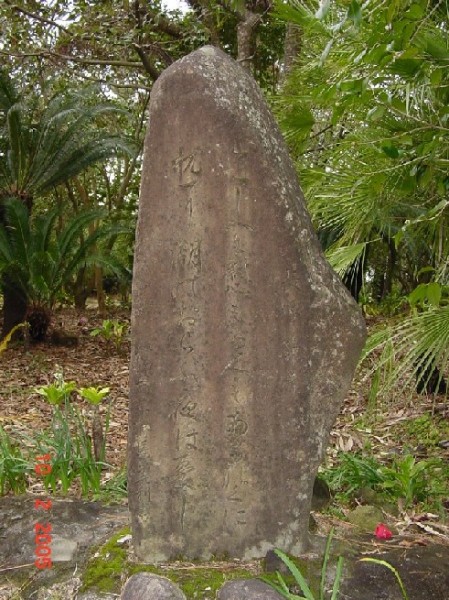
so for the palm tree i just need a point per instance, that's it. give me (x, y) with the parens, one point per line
(41, 149)
(40, 260)
(365, 113)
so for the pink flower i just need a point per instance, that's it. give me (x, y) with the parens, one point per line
(383, 533)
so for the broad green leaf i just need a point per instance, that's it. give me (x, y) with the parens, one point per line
(355, 12)
(375, 113)
(407, 67)
(434, 293)
(390, 150)
(94, 395)
(419, 294)
(415, 12)
(376, 53)
(436, 77)
(437, 49)
(425, 177)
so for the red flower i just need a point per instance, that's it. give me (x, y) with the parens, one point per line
(383, 533)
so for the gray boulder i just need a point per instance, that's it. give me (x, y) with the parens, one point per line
(247, 589)
(146, 586)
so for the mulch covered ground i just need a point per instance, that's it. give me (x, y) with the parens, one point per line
(86, 360)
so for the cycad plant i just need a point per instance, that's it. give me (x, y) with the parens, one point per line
(41, 148)
(40, 260)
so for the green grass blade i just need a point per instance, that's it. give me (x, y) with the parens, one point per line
(296, 574)
(386, 564)
(325, 561)
(338, 574)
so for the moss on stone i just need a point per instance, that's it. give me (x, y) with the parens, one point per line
(109, 565)
(203, 582)
(104, 570)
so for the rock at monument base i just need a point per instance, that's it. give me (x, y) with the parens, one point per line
(244, 341)
(247, 589)
(366, 517)
(146, 586)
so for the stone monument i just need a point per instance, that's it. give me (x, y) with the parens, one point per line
(244, 341)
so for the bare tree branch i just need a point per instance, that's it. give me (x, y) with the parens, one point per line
(77, 59)
(20, 9)
(163, 25)
(147, 63)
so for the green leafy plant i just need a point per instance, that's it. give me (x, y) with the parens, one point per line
(428, 429)
(364, 111)
(412, 351)
(113, 331)
(114, 489)
(57, 393)
(75, 454)
(42, 149)
(40, 258)
(15, 466)
(404, 479)
(72, 452)
(409, 479)
(352, 473)
(95, 396)
(59, 443)
(283, 589)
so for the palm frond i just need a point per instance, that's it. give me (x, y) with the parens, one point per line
(73, 160)
(412, 347)
(17, 154)
(49, 149)
(17, 229)
(342, 258)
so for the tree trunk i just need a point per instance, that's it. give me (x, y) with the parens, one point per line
(14, 307)
(245, 39)
(101, 298)
(390, 267)
(292, 47)
(80, 291)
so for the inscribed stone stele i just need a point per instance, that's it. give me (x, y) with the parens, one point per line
(244, 341)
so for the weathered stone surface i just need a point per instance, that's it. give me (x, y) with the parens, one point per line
(146, 586)
(366, 517)
(244, 340)
(96, 596)
(247, 589)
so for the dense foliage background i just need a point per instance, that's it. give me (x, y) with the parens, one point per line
(360, 89)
